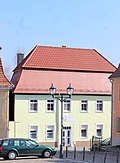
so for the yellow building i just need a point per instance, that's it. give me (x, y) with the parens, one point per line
(37, 115)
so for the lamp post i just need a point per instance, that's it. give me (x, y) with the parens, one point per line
(61, 98)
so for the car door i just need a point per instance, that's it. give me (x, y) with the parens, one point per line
(21, 147)
(34, 147)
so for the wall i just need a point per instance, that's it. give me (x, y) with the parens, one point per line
(116, 112)
(23, 118)
(4, 112)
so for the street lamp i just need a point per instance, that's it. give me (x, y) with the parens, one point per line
(61, 98)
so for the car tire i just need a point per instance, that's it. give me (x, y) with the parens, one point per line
(12, 155)
(47, 154)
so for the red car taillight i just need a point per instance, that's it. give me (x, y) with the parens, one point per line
(0, 148)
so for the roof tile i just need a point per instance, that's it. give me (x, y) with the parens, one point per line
(3, 80)
(47, 57)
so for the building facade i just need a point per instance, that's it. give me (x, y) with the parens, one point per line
(35, 114)
(115, 130)
(5, 86)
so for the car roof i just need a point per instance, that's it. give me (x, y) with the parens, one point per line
(14, 139)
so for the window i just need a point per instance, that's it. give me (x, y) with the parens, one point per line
(83, 131)
(99, 105)
(5, 142)
(16, 143)
(84, 105)
(33, 132)
(67, 105)
(50, 132)
(33, 105)
(118, 125)
(31, 143)
(50, 105)
(99, 130)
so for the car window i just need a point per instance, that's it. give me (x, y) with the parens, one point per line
(5, 142)
(10, 143)
(22, 143)
(31, 143)
(16, 143)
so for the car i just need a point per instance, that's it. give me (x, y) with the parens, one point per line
(10, 148)
(103, 145)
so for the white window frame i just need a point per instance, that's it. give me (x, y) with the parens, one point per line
(83, 111)
(99, 111)
(50, 127)
(65, 103)
(33, 128)
(33, 111)
(99, 126)
(84, 127)
(54, 103)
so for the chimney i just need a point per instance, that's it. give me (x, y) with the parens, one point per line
(20, 57)
(63, 46)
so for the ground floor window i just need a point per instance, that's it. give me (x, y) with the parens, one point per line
(83, 131)
(99, 130)
(33, 132)
(50, 132)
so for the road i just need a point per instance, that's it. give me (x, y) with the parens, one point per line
(40, 160)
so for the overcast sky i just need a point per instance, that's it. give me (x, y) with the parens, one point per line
(74, 23)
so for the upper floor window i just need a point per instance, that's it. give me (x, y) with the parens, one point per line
(50, 105)
(33, 105)
(83, 131)
(84, 105)
(67, 105)
(99, 105)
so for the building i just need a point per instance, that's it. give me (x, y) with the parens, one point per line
(37, 115)
(5, 86)
(115, 130)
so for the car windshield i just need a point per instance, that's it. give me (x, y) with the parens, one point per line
(106, 141)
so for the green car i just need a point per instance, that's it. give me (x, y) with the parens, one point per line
(10, 148)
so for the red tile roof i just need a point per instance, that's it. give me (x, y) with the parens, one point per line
(116, 74)
(62, 58)
(39, 81)
(3, 80)
(86, 69)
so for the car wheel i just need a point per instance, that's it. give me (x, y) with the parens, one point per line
(12, 155)
(47, 153)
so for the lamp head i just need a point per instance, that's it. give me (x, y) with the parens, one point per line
(52, 90)
(70, 89)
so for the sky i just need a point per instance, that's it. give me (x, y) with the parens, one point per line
(92, 24)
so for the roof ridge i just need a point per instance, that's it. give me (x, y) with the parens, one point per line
(64, 47)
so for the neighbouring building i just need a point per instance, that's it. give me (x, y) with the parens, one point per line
(35, 114)
(115, 130)
(5, 86)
